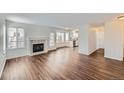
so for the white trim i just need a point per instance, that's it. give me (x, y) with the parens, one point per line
(2, 68)
(52, 48)
(114, 58)
(92, 51)
(17, 38)
(16, 56)
(2, 63)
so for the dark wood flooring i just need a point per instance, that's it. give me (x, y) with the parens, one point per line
(64, 64)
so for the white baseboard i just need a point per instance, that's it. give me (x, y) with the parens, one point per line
(16, 56)
(114, 58)
(92, 51)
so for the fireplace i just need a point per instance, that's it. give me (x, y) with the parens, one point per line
(38, 47)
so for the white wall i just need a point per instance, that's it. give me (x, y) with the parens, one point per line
(30, 31)
(87, 40)
(100, 37)
(1, 37)
(92, 40)
(83, 39)
(2, 55)
(114, 40)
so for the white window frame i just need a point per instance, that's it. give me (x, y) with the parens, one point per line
(17, 47)
(67, 33)
(60, 37)
(52, 39)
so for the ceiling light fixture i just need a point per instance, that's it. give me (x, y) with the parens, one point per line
(120, 17)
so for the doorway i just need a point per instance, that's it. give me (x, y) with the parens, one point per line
(98, 42)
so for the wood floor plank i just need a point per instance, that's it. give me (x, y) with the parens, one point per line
(64, 64)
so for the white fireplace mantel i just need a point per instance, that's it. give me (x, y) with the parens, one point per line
(37, 40)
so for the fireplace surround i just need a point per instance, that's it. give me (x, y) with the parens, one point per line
(37, 45)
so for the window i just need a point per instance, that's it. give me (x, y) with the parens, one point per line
(60, 37)
(67, 36)
(75, 35)
(52, 39)
(16, 38)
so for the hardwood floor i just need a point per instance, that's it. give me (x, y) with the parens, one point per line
(64, 64)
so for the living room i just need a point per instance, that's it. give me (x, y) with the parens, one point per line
(61, 46)
(55, 46)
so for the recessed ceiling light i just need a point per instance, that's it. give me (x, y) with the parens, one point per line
(121, 17)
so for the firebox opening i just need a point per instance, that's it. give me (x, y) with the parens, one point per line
(38, 47)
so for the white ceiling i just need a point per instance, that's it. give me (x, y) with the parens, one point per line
(70, 20)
